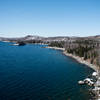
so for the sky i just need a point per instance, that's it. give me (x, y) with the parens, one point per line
(49, 17)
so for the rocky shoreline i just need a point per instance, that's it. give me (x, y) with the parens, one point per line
(81, 60)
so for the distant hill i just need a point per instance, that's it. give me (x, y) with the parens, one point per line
(49, 39)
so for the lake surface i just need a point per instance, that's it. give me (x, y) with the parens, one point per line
(33, 73)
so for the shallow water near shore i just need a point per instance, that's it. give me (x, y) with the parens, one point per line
(33, 73)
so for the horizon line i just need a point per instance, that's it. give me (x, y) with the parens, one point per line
(46, 36)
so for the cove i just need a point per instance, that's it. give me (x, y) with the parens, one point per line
(31, 72)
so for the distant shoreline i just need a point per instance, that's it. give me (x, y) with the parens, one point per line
(79, 59)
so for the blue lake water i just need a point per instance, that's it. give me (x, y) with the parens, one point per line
(33, 73)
